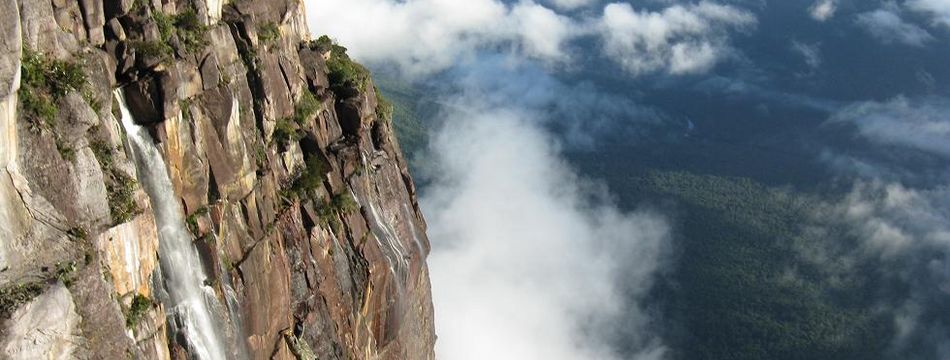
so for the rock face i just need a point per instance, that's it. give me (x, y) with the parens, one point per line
(301, 206)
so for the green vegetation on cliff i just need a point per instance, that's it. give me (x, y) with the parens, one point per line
(15, 296)
(137, 310)
(119, 186)
(347, 75)
(185, 28)
(44, 82)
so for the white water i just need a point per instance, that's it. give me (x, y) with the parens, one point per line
(184, 276)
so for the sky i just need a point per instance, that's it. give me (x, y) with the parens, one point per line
(532, 259)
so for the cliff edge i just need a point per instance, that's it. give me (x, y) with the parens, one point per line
(200, 179)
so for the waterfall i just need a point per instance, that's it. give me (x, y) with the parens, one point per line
(184, 276)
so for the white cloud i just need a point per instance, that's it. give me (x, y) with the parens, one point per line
(921, 124)
(886, 25)
(680, 39)
(527, 262)
(822, 10)
(542, 32)
(427, 36)
(894, 220)
(908, 231)
(811, 53)
(938, 9)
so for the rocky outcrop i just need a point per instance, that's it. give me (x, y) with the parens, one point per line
(300, 203)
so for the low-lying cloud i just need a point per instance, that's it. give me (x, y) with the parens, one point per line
(423, 37)
(529, 261)
(906, 234)
(426, 36)
(681, 39)
(922, 124)
(904, 230)
(887, 25)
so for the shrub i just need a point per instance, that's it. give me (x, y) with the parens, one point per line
(324, 43)
(307, 106)
(44, 82)
(166, 25)
(384, 108)
(186, 26)
(344, 72)
(103, 153)
(311, 178)
(12, 297)
(185, 106)
(119, 186)
(91, 99)
(285, 132)
(64, 272)
(193, 221)
(190, 31)
(121, 197)
(58, 77)
(344, 203)
(137, 310)
(329, 212)
(39, 108)
(78, 232)
(65, 151)
(268, 34)
(157, 49)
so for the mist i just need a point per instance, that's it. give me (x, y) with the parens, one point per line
(527, 256)
(902, 230)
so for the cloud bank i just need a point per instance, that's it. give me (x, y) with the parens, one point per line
(922, 124)
(426, 36)
(906, 234)
(527, 260)
(887, 26)
(681, 39)
(423, 37)
(938, 9)
(904, 230)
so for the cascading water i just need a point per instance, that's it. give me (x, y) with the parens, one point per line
(183, 273)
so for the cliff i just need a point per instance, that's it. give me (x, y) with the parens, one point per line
(200, 179)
